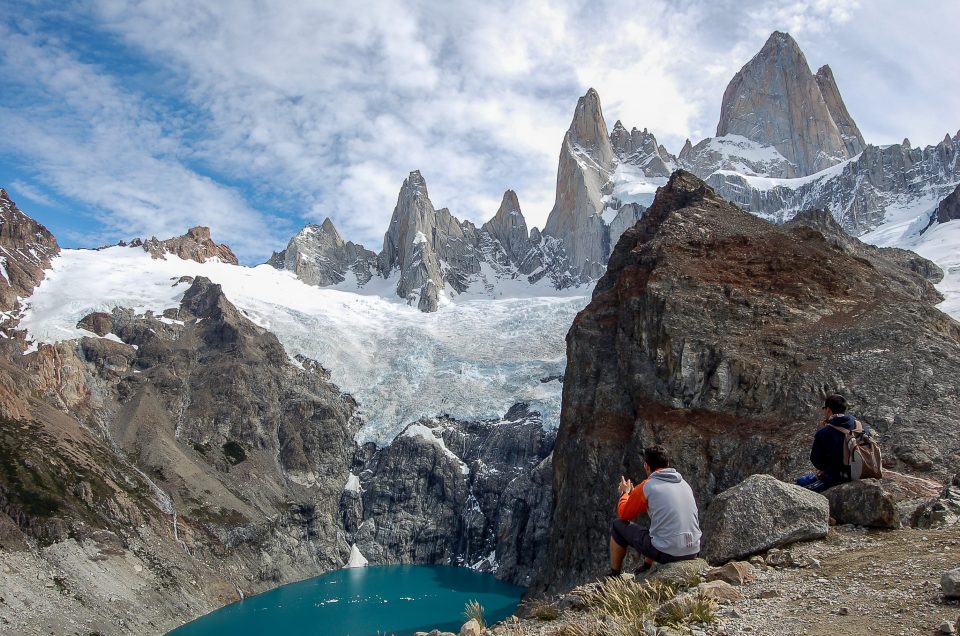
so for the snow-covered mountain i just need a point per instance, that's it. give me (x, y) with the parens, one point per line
(785, 143)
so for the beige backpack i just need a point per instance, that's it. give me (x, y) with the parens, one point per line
(861, 453)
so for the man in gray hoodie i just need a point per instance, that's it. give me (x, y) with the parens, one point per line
(674, 533)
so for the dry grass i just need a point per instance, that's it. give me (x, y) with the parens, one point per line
(474, 610)
(632, 607)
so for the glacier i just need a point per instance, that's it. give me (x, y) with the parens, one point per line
(472, 359)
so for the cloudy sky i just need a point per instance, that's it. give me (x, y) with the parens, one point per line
(123, 118)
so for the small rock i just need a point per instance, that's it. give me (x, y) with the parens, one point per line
(734, 573)
(950, 583)
(720, 591)
(137, 568)
(471, 628)
(780, 559)
(843, 611)
(947, 628)
(769, 594)
(757, 561)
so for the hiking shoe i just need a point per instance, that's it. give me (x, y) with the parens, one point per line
(643, 569)
(612, 574)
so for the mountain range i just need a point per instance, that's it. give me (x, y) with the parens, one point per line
(785, 142)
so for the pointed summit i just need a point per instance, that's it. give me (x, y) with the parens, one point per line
(584, 176)
(318, 255)
(849, 131)
(589, 130)
(510, 228)
(775, 100)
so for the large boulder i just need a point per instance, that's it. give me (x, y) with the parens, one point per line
(761, 513)
(864, 502)
(891, 502)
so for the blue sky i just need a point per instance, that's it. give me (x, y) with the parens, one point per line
(124, 118)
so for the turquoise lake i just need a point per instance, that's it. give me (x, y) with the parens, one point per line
(395, 599)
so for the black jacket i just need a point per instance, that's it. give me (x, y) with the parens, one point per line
(827, 452)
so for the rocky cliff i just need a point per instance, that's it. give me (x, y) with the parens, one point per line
(474, 494)
(184, 456)
(26, 248)
(319, 256)
(775, 100)
(949, 208)
(717, 334)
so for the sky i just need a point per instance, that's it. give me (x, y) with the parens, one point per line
(126, 118)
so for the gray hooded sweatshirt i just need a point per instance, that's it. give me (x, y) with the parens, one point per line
(674, 521)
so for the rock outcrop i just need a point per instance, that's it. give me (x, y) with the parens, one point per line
(775, 100)
(849, 132)
(949, 208)
(319, 256)
(195, 245)
(26, 248)
(717, 334)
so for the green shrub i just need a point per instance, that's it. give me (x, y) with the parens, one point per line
(234, 452)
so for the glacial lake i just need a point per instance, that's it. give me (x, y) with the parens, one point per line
(370, 601)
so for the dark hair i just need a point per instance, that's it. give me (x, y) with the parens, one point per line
(656, 456)
(836, 403)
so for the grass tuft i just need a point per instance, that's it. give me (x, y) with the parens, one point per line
(474, 610)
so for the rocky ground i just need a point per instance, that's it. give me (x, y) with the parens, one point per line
(856, 582)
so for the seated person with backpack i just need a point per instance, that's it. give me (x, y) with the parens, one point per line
(674, 533)
(831, 455)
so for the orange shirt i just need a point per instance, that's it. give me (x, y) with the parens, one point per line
(632, 503)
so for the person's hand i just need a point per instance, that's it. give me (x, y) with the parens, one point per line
(626, 485)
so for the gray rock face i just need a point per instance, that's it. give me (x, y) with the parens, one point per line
(583, 177)
(949, 208)
(776, 101)
(849, 131)
(509, 228)
(761, 513)
(319, 256)
(710, 334)
(210, 459)
(460, 493)
(26, 248)
(640, 148)
(420, 238)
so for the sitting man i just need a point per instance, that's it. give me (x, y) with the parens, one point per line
(827, 452)
(674, 533)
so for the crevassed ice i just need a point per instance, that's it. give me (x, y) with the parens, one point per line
(472, 359)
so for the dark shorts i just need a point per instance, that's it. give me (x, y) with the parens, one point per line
(629, 534)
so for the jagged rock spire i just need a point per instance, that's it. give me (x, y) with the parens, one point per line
(510, 228)
(775, 100)
(584, 174)
(849, 131)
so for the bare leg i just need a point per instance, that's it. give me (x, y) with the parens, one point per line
(617, 554)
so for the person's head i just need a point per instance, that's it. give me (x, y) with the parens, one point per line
(836, 404)
(656, 457)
